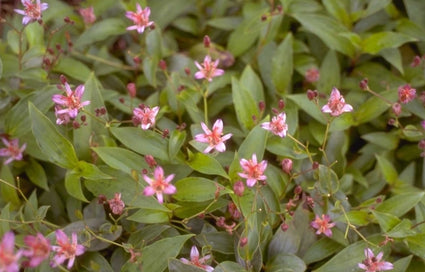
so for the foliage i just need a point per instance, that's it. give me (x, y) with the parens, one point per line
(271, 135)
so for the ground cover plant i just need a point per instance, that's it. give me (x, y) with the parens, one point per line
(213, 135)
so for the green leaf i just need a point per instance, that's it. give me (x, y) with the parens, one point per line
(197, 189)
(73, 185)
(156, 256)
(308, 106)
(7, 187)
(100, 31)
(339, 10)
(329, 73)
(328, 29)
(321, 249)
(373, 107)
(386, 140)
(229, 266)
(94, 261)
(393, 56)
(245, 35)
(283, 65)
(414, 11)
(153, 143)
(176, 141)
(398, 205)
(245, 105)
(225, 23)
(206, 165)
(17, 119)
(382, 40)
(90, 171)
(36, 174)
(73, 68)
(121, 158)
(284, 262)
(92, 129)
(150, 216)
(254, 143)
(252, 83)
(402, 265)
(387, 169)
(150, 66)
(386, 221)
(58, 149)
(1, 68)
(34, 34)
(416, 244)
(165, 12)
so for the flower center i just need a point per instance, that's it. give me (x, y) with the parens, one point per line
(32, 10)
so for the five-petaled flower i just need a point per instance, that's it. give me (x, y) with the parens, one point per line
(322, 225)
(12, 150)
(214, 138)
(406, 94)
(8, 259)
(66, 249)
(374, 264)
(145, 117)
(38, 249)
(336, 104)
(116, 204)
(69, 104)
(140, 18)
(253, 171)
(196, 261)
(159, 184)
(32, 11)
(208, 69)
(277, 126)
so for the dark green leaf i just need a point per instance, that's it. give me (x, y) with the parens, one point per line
(245, 105)
(100, 31)
(398, 205)
(206, 164)
(282, 65)
(36, 174)
(197, 189)
(73, 185)
(121, 158)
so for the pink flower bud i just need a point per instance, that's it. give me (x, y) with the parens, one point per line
(364, 84)
(243, 241)
(207, 41)
(150, 160)
(239, 188)
(163, 65)
(131, 88)
(396, 109)
(284, 227)
(416, 61)
(287, 166)
(311, 94)
(63, 79)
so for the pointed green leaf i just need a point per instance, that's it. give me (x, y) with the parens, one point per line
(8, 190)
(121, 158)
(254, 143)
(330, 73)
(206, 165)
(145, 142)
(73, 185)
(55, 146)
(36, 174)
(100, 31)
(176, 141)
(198, 189)
(90, 171)
(251, 82)
(245, 105)
(382, 40)
(282, 65)
(398, 205)
(387, 169)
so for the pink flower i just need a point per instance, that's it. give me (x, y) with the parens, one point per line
(253, 171)
(32, 11)
(312, 75)
(277, 126)
(196, 261)
(66, 249)
(208, 69)
(116, 204)
(139, 18)
(322, 225)
(374, 264)
(69, 104)
(38, 249)
(406, 93)
(61, 118)
(145, 117)
(12, 150)
(214, 138)
(336, 104)
(9, 260)
(88, 15)
(159, 185)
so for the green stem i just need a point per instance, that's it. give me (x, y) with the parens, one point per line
(205, 96)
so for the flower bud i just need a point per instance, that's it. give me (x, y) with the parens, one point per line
(261, 106)
(63, 79)
(315, 165)
(163, 65)
(364, 84)
(243, 241)
(284, 227)
(396, 109)
(281, 104)
(311, 94)
(287, 166)
(416, 61)
(239, 188)
(131, 88)
(207, 41)
(298, 190)
(150, 160)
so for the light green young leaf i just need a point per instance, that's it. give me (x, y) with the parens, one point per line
(58, 149)
(382, 40)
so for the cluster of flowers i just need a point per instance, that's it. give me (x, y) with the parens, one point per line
(37, 249)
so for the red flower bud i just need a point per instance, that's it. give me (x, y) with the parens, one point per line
(239, 188)
(287, 166)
